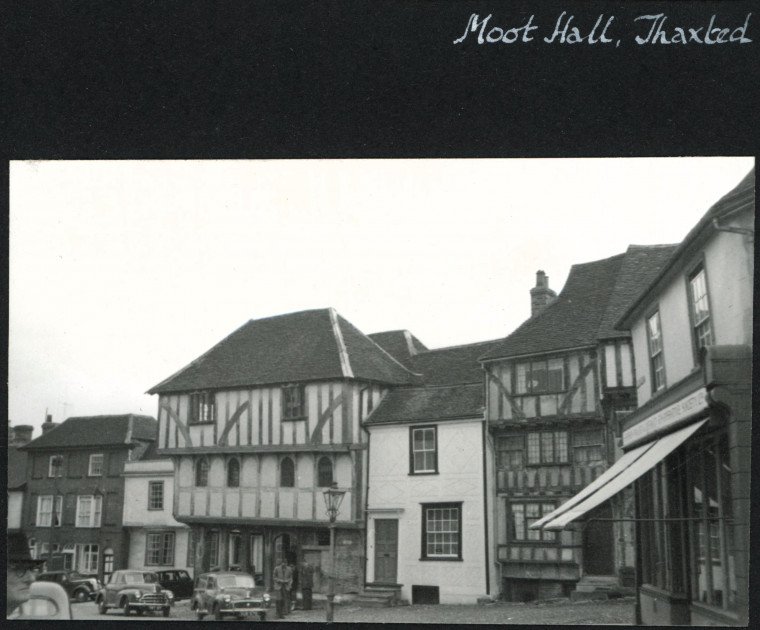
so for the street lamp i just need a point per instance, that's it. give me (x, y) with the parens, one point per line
(333, 499)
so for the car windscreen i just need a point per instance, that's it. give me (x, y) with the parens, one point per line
(241, 581)
(139, 578)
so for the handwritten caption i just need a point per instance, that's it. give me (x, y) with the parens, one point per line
(657, 29)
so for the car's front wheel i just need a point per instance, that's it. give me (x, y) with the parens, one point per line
(167, 610)
(81, 595)
(102, 606)
(125, 608)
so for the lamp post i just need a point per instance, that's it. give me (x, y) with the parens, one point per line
(333, 499)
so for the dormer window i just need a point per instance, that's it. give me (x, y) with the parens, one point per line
(202, 408)
(293, 402)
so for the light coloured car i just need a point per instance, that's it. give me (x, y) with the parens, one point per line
(133, 590)
(229, 593)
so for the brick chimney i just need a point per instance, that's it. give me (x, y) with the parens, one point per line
(22, 434)
(541, 295)
(48, 424)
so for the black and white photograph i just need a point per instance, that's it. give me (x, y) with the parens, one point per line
(380, 311)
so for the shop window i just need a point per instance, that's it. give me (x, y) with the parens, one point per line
(509, 451)
(293, 402)
(423, 455)
(287, 473)
(656, 358)
(201, 473)
(155, 495)
(587, 446)
(700, 309)
(324, 472)
(202, 408)
(523, 515)
(233, 473)
(547, 447)
(441, 531)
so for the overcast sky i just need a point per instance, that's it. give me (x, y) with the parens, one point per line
(123, 272)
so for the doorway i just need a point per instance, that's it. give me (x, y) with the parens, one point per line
(386, 550)
(598, 543)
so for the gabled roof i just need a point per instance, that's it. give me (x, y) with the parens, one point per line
(303, 346)
(452, 365)
(92, 431)
(585, 311)
(400, 344)
(411, 404)
(16, 468)
(740, 198)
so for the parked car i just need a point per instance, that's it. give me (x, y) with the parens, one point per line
(134, 590)
(177, 581)
(79, 587)
(229, 593)
(47, 600)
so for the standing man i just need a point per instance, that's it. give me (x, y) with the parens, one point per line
(283, 579)
(306, 580)
(21, 572)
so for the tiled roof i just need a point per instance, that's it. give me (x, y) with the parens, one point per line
(400, 344)
(90, 431)
(742, 197)
(429, 403)
(16, 468)
(303, 346)
(453, 365)
(593, 296)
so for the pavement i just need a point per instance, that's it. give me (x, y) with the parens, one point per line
(560, 612)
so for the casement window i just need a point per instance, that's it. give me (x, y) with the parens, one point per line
(155, 495)
(523, 515)
(287, 473)
(89, 511)
(324, 472)
(293, 401)
(510, 451)
(213, 549)
(201, 473)
(159, 549)
(55, 466)
(547, 447)
(587, 446)
(87, 558)
(46, 517)
(656, 358)
(542, 376)
(700, 309)
(441, 531)
(95, 468)
(202, 408)
(423, 450)
(233, 473)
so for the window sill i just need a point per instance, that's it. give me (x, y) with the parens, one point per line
(196, 424)
(294, 418)
(422, 474)
(444, 559)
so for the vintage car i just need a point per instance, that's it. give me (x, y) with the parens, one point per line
(47, 600)
(230, 593)
(82, 588)
(178, 581)
(135, 590)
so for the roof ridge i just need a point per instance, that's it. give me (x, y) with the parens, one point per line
(461, 345)
(383, 350)
(345, 363)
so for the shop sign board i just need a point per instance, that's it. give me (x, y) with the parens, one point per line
(673, 414)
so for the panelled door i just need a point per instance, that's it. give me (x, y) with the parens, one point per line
(386, 549)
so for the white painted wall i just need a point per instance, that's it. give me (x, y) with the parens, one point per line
(460, 479)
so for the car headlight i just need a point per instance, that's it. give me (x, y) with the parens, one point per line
(266, 597)
(169, 593)
(226, 598)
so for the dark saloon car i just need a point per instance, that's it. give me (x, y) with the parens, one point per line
(229, 593)
(132, 590)
(79, 587)
(177, 581)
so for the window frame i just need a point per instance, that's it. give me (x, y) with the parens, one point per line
(424, 555)
(696, 338)
(88, 557)
(292, 483)
(412, 452)
(530, 536)
(499, 450)
(576, 445)
(152, 502)
(198, 479)
(233, 461)
(56, 507)
(99, 473)
(95, 516)
(202, 407)
(556, 459)
(659, 354)
(164, 554)
(320, 480)
(290, 409)
(51, 458)
(525, 387)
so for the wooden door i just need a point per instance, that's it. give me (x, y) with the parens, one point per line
(386, 550)
(598, 543)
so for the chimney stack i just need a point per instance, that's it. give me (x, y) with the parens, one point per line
(541, 295)
(48, 424)
(21, 434)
